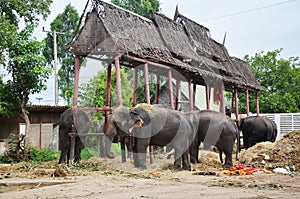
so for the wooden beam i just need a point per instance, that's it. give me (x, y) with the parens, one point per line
(236, 104)
(207, 91)
(76, 80)
(157, 88)
(191, 95)
(170, 88)
(257, 103)
(118, 81)
(147, 89)
(247, 103)
(135, 86)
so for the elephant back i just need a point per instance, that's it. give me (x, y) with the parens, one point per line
(81, 119)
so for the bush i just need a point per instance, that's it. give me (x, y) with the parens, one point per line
(42, 155)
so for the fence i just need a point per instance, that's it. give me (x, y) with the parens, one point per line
(286, 122)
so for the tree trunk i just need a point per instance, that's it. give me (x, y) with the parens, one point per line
(27, 122)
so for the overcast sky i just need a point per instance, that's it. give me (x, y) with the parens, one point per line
(250, 26)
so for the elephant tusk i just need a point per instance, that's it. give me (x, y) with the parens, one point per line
(172, 152)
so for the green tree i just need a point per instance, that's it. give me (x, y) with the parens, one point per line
(94, 92)
(141, 7)
(28, 69)
(66, 23)
(280, 80)
(12, 11)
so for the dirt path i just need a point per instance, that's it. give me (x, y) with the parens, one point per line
(161, 185)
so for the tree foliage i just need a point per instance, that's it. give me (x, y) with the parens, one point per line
(141, 7)
(65, 23)
(28, 69)
(11, 11)
(94, 92)
(280, 80)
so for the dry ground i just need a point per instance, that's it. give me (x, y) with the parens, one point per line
(105, 178)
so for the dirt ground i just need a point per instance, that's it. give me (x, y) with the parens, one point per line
(106, 178)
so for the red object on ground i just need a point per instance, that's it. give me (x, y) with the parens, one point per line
(240, 169)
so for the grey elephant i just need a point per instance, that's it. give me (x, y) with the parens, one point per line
(110, 136)
(82, 124)
(156, 125)
(213, 129)
(257, 129)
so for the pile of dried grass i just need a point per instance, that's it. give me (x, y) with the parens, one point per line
(284, 152)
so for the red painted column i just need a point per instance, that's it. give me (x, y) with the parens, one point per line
(118, 81)
(157, 88)
(236, 104)
(222, 100)
(108, 85)
(135, 86)
(76, 80)
(257, 103)
(232, 100)
(177, 94)
(147, 89)
(170, 88)
(146, 76)
(191, 95)
(194, 94)
(247, 102)
(207, 90)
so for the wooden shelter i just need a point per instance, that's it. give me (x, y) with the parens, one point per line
(161, 45)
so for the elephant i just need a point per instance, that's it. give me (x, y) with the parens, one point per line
(257, 129)
(111, 136)
(82, 124)
(156, 125)
(213, 129)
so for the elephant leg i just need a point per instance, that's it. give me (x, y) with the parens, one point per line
(78, 148)
(185, 161)
(129, 146)
(228, 160)
(140, 155)
(194, 152)
(220, 155)
(123, 149)
(65, 145)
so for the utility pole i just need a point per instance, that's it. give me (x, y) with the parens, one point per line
(55, 64)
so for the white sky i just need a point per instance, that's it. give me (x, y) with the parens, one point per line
(251, 26)
(267, 27)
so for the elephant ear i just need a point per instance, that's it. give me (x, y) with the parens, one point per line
(140, 116)
(121, 118)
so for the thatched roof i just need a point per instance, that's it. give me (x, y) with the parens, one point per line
(183, 45)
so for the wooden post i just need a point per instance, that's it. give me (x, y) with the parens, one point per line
(257, 103)
(135, 86)
(247, 102)
(157, 88)
(222, 100)
(177, 94)
(147, 89)
(108, 85)
(76, 80)
(236, 104)
(118, 81)
(191, 94)
(170, 88)
(207, 90)
(72, 134)
(194, 95)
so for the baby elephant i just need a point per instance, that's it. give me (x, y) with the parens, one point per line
(82, 124)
